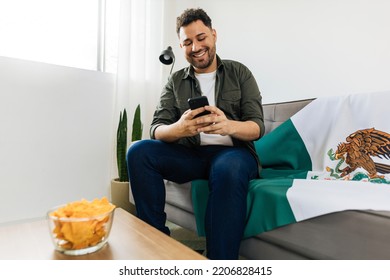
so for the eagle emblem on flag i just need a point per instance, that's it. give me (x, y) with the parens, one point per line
(359, 149)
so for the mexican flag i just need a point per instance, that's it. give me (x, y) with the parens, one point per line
(333, 155)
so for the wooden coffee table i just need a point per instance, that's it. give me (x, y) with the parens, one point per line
(130, 238)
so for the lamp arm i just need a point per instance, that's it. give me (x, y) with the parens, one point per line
(173, 63)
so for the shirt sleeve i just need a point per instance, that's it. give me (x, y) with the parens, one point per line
(251, 102)
(165, 112)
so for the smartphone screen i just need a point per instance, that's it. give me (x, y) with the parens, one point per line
(197, 102)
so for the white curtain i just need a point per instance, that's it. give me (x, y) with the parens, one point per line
(139, 72)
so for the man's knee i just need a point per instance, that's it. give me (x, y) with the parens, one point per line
(138, 150)
(235, 168)
(235, 161)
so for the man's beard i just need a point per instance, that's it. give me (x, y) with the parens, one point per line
(207, 58)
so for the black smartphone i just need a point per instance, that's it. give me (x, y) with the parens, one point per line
(197, 102)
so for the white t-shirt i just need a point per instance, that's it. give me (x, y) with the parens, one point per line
(207, 86)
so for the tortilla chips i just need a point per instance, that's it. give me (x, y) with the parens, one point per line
(82, 224)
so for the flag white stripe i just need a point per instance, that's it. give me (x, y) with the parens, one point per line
(311, 198)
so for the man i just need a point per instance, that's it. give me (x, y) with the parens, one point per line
(217, 147)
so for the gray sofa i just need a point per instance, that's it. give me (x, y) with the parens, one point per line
(342, 235)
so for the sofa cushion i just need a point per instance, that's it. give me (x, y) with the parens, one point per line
(346, 235)
(179, 195)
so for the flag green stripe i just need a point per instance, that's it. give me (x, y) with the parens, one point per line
(283, 149)
(267, 206)
(200, 193)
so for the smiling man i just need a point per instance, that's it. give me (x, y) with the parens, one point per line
(217, 147)
(199, 44)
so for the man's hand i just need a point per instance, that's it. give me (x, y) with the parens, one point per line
(218, 123)
(214, 123)
(186, 126)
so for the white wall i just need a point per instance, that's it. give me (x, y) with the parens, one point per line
(55, 136)
(303, 48)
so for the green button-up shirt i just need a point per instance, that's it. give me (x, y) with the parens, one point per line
(236, 94)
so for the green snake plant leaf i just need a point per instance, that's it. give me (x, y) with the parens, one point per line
(121, 147)
(137, 125)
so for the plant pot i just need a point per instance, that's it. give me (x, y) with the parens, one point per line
(120, 197)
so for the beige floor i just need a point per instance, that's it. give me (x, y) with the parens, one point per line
(187, 237)
(190, 239)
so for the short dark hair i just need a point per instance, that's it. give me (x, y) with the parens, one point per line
(191, 15)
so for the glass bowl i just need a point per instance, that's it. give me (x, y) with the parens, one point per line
(79, 235)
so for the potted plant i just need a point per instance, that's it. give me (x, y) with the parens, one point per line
(121, 184)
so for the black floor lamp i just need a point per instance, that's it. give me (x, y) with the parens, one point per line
(167, 57)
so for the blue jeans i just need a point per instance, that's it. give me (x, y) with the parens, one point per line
(228, 170)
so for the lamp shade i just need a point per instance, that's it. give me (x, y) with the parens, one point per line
(167, 56)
